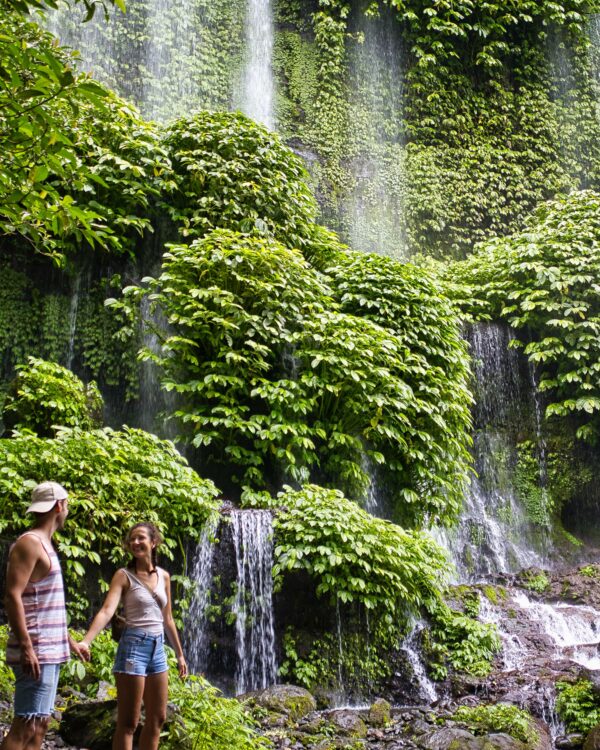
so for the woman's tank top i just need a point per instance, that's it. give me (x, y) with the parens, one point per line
(45, 615)
(141, 609)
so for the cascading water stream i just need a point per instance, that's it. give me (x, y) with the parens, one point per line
(373, 213)
(410, 647)
(201, 573)
(253, 604)
(494, 534)
(258, 84)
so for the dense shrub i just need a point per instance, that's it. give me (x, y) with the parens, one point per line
(231, 173)
(543, 282)
(114, 479)
(295, 375)
(45, 394)
(352, 555)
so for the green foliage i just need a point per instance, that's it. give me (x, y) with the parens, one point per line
(590, 571)
(45, 394)
(442, 30)
(26, 6)
(114, 479)
(359, 666)
(352, 556)
(538, 582)
(499, 717)
(460, 642)
(543, 281)
(577, 705)
(229, 172)
(209, 720)
(79, 166)
(194, 66)
(292, 374)
(7, 678)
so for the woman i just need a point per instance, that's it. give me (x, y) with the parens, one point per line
(140, 664)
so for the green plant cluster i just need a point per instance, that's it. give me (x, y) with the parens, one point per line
(65, 327)
(352, 556)
(79, 166)
(499, 717)
(44, 395)
(534, 580)
(459, 642)
(463, 139)
(443, 30)
(7, 677)
(292, 374)
(577, 705)
(228, 172)
(543, 282)
(114, 479)
(357, 664)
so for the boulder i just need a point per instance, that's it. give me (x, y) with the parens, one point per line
(348, 722)
(569, 741)
(379, 713)
(89, 725)
(290, 700)
(451, 738)
(592, 741)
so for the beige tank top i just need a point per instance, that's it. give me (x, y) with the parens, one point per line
(140, 608)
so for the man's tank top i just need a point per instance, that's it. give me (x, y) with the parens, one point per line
(141, 609)
(45, 615)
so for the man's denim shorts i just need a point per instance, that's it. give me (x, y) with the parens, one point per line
(140, 653)
(35, 698)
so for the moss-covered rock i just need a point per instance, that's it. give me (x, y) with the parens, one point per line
(379, 713)
(291, 700)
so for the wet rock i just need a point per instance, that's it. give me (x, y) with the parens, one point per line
(291, 700)
(451, 738)
(379, 713)
(348, 722)
(592, 741)
(569, 742)
(89, 725)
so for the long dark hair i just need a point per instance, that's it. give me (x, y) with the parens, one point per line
(154, 535)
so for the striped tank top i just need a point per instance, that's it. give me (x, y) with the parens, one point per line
(45, 615)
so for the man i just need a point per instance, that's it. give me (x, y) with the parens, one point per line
(35, 605)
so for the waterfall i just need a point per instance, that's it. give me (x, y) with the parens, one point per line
(574, 629)
(410, 647)
(514, 654)
(494, 534)
(258, 85)
(201, 573)
(153, 399)
(372, 215)
(149, 55)
(253, 606)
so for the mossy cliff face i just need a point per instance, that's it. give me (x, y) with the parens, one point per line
(425, 127)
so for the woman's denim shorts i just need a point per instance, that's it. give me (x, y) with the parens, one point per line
(35, 698)
(140, 653)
